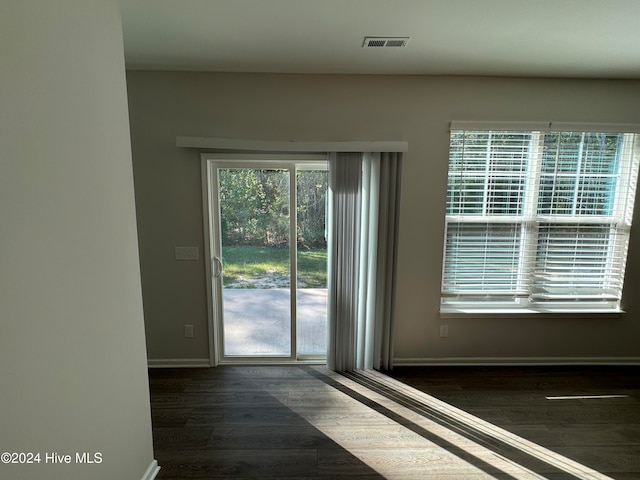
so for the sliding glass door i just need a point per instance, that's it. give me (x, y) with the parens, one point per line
(269, 257)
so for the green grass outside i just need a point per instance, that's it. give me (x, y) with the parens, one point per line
(267, 267)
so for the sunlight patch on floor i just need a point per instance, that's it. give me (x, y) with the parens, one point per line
(585, 397)
(351, 424)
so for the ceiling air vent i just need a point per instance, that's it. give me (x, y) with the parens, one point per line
(375, 42)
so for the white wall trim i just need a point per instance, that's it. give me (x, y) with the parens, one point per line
(207, 202)
(514, 361)
(545, 126)
(178, 362)
(290, 146)
(152, 471)
(498, 125)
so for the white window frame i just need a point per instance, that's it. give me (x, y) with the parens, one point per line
(530, 222)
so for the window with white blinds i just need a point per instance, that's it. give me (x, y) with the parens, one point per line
(537, 220)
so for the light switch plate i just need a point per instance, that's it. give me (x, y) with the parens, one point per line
(188, 331)
(187, 253)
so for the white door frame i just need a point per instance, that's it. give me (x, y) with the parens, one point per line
(213, 242)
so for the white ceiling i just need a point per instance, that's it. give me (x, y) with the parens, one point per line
(552, 38)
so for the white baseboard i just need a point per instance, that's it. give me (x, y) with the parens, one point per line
(178, 362)
(514, 361)
(444, 361)
(152, 471)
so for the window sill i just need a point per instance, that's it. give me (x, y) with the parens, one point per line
(470, 311)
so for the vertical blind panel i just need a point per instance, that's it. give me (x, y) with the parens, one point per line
(345, 181)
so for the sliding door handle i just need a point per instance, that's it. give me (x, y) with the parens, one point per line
(217, 267)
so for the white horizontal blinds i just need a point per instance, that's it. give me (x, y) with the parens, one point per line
(582, 245)
(630, 152)
(485, 207)
(482, 258)
(578, 262)
(487, 173)
(579, 174)
(538, 218)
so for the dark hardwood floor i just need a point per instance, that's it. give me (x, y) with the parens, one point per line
(259, 422)
(601, 431)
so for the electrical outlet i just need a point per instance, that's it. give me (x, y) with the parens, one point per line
(188, 331)
(444, 330)
(187, 253)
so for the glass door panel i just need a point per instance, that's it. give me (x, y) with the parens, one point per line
(311, 292)
(255, 249)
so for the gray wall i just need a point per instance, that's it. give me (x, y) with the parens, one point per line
(72, 347)
(417, 109)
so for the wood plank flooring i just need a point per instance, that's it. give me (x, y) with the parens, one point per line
(601, 433)
(303, 422)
